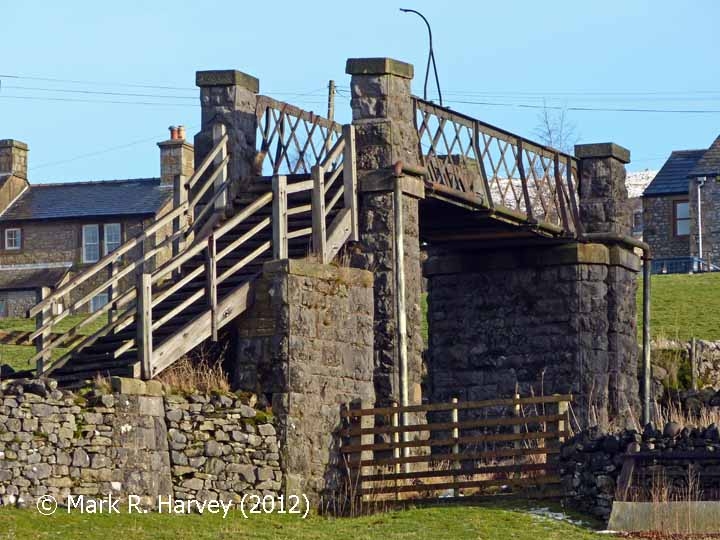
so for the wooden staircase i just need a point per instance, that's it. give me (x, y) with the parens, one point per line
(164, 306)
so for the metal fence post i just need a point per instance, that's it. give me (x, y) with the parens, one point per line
(456, 446)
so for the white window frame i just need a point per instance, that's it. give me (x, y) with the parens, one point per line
(107, 227)
(85, 244)
(18, 239)
(98, 301)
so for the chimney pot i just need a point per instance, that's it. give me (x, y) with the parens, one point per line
(181, 132)
(173, 132)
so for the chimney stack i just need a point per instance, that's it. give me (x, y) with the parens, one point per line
(177, 157)
(13, 158)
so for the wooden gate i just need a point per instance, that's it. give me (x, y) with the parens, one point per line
(456, 449)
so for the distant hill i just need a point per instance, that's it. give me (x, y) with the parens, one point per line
(636, 182)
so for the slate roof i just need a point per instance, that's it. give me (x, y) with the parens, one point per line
(672, 178)
(140, 196)
(30, 278)
(709, 164)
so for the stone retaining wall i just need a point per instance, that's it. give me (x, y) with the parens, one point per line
(132, 440)
(590, 464)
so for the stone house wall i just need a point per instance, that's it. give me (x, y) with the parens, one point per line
(307, 345)
(710, 195)
(659, 228)
(16, 303)
(131, 441)
(61, 242)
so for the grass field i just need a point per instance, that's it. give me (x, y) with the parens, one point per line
(487, 522)
(16, 356)
(683, 306)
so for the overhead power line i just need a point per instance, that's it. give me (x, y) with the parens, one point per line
(593, 109)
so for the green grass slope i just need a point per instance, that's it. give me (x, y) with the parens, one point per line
(488, 522)
(683, 306)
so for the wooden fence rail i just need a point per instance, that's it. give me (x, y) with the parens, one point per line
(468, 447)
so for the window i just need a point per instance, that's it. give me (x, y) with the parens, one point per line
(112, 238)
(98, 301)
(90, 243)
(637, 222)
(681, 211)
(13, 238)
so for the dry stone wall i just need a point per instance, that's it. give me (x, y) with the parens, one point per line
(132, 440)
(591, 463)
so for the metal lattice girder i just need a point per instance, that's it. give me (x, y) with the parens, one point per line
(468, 155)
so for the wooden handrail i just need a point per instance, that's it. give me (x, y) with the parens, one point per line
(108, 259)
(349, 413)
(206, 162)
(209, 182)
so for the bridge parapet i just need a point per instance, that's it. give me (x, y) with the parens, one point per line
(503, 169)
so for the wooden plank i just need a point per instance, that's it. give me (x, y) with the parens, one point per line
(460, 405)
(259, 226)
(302, 209)
(492, 469)
(467, 456)
(350, 180)
(207, 160)
(144, 324)
(245, 261)
(625, 479)
(43, 355)
(538, 481)
(297, 187)
(338, 233)
(214, 180)
(221, 161)
(198, 329)
(280, 217)
(502, 437)
(197, 295)
(516, 422)
(211, 273)
(319, 237)
(241, 216)
(297, 233)
(176, 286)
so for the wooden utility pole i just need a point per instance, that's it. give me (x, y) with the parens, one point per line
(331, 101)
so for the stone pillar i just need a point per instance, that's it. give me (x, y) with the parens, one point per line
(385, 134)
(604, 208)
(307, 345)
(603, 196)
(229, 97)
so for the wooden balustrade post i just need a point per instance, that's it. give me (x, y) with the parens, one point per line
(517, 413)
(319, 236)
(396, 435)
(350, 180)
(222, 200)
(556, 427)
(279, 217)
(144, 341)
(180, 197)
(211, 274)
(357, 423)
(113, 291)
(40, 319)
(456, 447)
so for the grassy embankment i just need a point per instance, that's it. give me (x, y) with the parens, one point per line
(489, 522)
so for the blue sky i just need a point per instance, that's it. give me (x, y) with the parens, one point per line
(600, 55)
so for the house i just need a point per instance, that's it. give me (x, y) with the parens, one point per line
(685, 236)
(49, 232)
